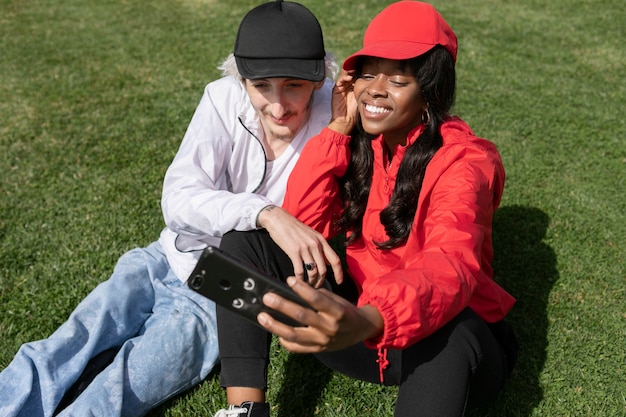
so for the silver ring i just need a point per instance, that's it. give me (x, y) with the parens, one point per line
(309, 266)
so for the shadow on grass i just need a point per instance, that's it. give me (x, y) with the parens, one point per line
(526, 267)
(305, 380)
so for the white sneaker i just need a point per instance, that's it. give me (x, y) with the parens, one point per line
(246, 409)
(231, 411)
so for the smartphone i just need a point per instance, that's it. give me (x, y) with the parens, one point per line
(237, 287)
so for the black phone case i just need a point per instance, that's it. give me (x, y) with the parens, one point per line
(237, 287)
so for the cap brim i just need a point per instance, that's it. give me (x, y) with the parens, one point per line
(388, 50)
(305, 69)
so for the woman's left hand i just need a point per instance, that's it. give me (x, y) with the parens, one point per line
(335, 324)
(344, 105)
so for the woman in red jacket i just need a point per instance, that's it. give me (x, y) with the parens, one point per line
(414, 191)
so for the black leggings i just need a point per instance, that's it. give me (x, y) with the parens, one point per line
(463, 362)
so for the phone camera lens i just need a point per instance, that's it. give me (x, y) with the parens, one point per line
(249, 284)
(196, 281)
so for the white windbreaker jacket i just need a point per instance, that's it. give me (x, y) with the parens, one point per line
(220, 178)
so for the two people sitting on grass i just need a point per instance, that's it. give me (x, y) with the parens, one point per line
(413, 190)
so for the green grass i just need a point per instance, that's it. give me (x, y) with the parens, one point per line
(95, 98)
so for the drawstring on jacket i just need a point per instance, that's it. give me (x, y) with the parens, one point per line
(383, 363)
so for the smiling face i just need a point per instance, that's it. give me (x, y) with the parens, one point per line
(389, 99)
(283, 104)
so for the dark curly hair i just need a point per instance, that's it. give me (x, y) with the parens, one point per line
(435, 73)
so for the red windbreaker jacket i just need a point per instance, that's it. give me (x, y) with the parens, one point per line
(445, 264)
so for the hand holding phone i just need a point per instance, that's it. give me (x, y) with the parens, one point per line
(237, 287)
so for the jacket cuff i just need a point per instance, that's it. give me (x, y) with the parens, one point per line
(336, 137)
(390, 324)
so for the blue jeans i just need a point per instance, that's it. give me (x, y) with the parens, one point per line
(166, 333)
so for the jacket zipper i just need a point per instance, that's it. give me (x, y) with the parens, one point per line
(264, 155)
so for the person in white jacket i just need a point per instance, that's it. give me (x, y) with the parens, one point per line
(142, 336)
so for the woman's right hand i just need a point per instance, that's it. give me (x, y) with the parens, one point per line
(302, 244)
(344, 105)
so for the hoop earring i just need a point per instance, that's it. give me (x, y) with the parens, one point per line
(426, 117)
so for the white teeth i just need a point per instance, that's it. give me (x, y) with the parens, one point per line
(374, 109)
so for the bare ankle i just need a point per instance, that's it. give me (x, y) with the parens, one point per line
(239, 395)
